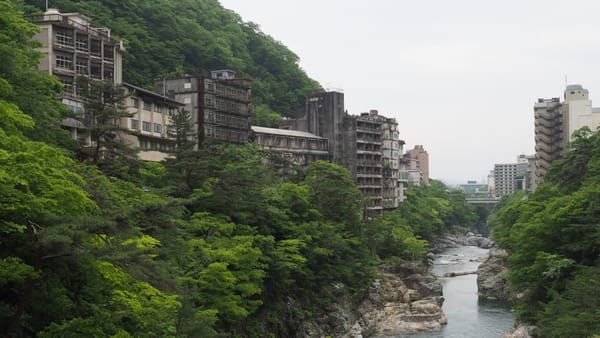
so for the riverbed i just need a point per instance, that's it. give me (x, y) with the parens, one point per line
(467, 316)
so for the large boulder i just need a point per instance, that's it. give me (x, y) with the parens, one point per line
(491, 279)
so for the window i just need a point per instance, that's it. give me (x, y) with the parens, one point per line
(147, 106)
(135, 124)
(188, 83)
(134, 102)
(171, 111)
(81, 67)
(81, 43)
(157, 128)
(187, 100)
(156, 108)
(67, 86)
(146, 126)
(64, 61)
(64, 38)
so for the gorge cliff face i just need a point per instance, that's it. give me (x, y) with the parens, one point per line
(402, 300)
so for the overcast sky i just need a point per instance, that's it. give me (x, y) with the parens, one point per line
(460, 76)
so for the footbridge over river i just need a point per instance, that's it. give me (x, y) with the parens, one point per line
(490, 202)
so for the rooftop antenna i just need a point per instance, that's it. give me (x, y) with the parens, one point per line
(565, 76)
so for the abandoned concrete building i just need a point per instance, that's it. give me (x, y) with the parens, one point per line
(149, 123)
(220, 105)
(300, 147)
(368, 145)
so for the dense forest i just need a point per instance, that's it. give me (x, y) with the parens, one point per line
(553, 240)
(210, 243)
(169, 37)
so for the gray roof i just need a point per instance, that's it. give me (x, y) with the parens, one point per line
(156, 96)
(284, 132)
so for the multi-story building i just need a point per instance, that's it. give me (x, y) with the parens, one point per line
(521, 179)
(555, 123)
(323, 115)
(531, 174)
(579, 110)
(71, 47)
(505, 178)
(368, 145)
(364, 157)
(220, 105)
(418, 160)
(392, 148)
(300, 147)
(550, 135)
(149, 123)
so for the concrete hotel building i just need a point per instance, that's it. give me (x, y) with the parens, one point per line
(301, 148)
(149, 123)
(367, 145)
(71, 46)
(505, 178)
(555, 123)
(220, 104)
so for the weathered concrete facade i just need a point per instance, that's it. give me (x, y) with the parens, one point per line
(220, 105)
(368, 145)
(149, 123)
(301, 148)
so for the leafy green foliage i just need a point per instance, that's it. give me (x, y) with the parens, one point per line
(553, 241)
(210, 243)
(433, 210)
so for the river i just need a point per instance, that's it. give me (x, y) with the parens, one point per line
(467, 316)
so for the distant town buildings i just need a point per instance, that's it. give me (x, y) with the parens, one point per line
(473, 189)
(505, 178)
(417, 160)
(555, 123)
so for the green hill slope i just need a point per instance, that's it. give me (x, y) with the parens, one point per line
(165, 37)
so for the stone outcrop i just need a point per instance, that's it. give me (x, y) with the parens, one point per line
(522, 331)
(404, 300)
(491, 280)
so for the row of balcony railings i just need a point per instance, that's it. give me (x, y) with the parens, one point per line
(97, 52)
(292, 143)
(241, 109)
(66, 20)
(228, 91)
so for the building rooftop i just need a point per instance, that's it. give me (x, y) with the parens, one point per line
(284, 132)
(154, 94)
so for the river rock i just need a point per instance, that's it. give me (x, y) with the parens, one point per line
(522, 331)
(405, 308)
(461, 238)
(491, 280)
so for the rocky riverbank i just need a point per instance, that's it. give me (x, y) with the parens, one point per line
(403, 300)
(408, 298)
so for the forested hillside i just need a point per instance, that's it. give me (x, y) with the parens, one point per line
(553, 238)
(167, 37)
(210, 243)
